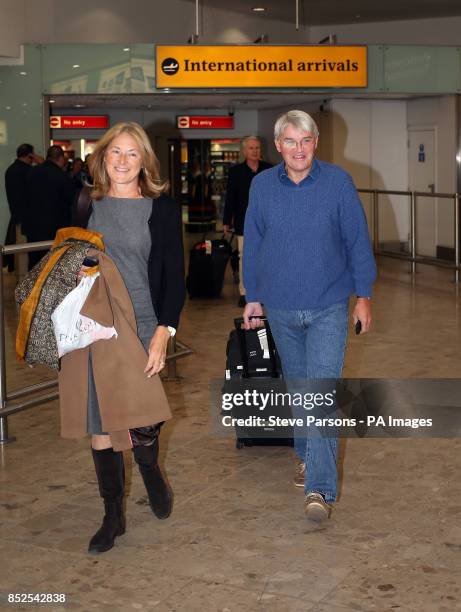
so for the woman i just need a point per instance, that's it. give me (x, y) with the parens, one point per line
(142, 232)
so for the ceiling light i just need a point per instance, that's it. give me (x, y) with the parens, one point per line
(79, 105)
(126, 49)
(8, 107)
(52, 101)
(258, 9)
(23, 73)
(76, 66)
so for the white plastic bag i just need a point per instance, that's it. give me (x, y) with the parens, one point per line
(73, 330)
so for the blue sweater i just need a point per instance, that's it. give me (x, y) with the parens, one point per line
(306, 245)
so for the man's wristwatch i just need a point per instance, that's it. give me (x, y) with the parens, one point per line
(172, 330)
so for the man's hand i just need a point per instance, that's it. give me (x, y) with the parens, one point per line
(157, 351)
(252, 309)
(362, 313)
(226, 229)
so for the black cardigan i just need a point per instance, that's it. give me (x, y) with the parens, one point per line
(166, 259)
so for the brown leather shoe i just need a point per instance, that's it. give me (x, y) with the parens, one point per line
(298, 480)
(316, 508)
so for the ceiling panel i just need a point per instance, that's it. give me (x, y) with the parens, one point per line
(317, 12)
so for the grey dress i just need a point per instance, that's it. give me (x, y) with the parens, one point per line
(127, 239)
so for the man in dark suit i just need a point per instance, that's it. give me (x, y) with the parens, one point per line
(50, 192)
(15, 186)
(238, 187)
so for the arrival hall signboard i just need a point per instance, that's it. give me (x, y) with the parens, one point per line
(242, 66)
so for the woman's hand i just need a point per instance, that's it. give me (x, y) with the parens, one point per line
(82, 273)
(157, 351)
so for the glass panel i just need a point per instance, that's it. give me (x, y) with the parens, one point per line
(20, 117)
(89, 68)
(142, 68)
(415, 69)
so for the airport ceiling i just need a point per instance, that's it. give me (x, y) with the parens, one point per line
(321, 12)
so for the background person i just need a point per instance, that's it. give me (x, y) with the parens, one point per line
(238, 187)
(307, 250)
(16, 176)
(142, 232)
(49, 193)
(76, 173)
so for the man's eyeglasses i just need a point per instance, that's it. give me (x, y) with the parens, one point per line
(291, 143)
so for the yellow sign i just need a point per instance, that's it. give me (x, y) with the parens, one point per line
(242, 66)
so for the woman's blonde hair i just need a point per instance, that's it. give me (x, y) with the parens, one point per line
(150, 184)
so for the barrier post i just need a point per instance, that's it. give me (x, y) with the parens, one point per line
(4, 438)
(375, 222)
(413, 232)
(171, 371)
(456, 238)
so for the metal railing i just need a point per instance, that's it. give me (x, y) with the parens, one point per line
(176, 350)
(412, 256)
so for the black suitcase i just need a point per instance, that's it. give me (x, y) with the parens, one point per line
(207, 267)
(235, 260)
(252, 363)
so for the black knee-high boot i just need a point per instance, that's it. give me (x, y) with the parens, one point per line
(160, 495)
(110, 471)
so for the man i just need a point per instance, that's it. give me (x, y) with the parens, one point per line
(76, 173)
(238, 187)
(50, 192)
(15, 186)
(306, 252)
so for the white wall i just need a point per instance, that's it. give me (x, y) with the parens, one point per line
(441, 31)
(389, 167)
(12, 26)
(440, 112)
(369, 141)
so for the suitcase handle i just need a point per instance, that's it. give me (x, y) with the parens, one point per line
(243, 345)
(238, 322)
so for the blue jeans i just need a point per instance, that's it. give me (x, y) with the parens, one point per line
(311, 345)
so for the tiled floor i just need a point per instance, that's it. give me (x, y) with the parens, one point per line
(237, 539)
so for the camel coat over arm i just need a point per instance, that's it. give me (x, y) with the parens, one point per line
(126, 397)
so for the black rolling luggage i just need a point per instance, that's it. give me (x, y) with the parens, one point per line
(253, 364)
(235, 260)
(207, 267)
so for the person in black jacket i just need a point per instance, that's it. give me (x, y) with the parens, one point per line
(142, 230)
(238, 188)
(50, 193)
(15, 185)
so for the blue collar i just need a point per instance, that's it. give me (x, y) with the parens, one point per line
(310, 178)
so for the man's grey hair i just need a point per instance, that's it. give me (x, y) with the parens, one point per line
(243, 144)
(245, 140)
(298, 119)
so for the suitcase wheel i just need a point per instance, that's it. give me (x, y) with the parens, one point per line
(240, 443)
